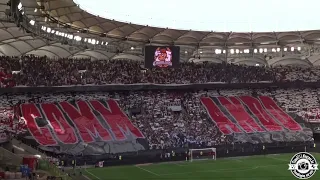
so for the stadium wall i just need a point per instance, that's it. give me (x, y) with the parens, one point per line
(146, 87)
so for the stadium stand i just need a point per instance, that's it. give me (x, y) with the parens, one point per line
(42, 71)
(171, 119)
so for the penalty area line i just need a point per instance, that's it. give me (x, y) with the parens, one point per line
(230, 170)
(278, 159)
(92, 175)
(146, 170)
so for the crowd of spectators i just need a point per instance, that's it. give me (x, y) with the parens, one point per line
(42, 71)
(168, 119)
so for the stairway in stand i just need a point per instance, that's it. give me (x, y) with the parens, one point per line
(21, 148)
(8, 158)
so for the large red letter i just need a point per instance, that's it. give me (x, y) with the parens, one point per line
(63, 130)
(278, 113)
(257, 109)
(41, 134)
(88, 125)
(223, 123)
(117, 120)
(237, 111)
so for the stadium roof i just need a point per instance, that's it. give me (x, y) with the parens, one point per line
(195, 45)
(210, 15)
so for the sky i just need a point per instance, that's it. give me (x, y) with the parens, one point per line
(212, 15)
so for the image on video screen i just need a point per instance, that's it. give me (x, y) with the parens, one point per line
(161, 56)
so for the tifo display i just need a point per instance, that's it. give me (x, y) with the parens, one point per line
(100, 123)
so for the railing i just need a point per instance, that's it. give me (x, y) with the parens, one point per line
(45, 165)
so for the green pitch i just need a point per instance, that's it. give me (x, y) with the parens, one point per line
(269, 167)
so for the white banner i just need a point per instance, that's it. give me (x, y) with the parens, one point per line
(175, 108)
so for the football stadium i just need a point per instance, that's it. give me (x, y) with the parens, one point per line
(170, 90)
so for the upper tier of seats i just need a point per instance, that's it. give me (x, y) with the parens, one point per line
(41, 71)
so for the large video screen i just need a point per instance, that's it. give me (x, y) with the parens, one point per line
(162, 56)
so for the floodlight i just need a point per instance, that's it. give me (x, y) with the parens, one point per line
(32, 22)
(77, 38)
(20, 6)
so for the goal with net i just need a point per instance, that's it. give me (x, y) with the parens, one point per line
(202, 154)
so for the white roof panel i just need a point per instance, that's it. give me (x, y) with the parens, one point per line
(15, 42)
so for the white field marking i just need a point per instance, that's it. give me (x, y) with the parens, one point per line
(188, 163)
(184, 164)
(92, 174)
(86, 177)
(223, 170)
(278, 159)
(171, 162)
(146, 170)
(236, 158)
(179, 164)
